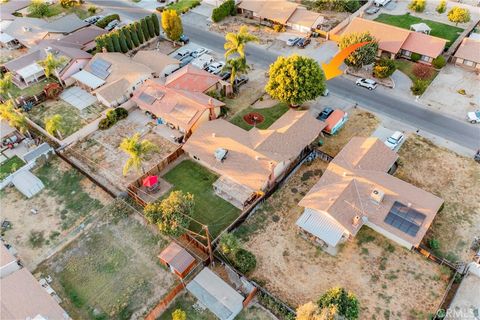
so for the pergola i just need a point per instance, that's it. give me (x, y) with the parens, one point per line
(421, 27)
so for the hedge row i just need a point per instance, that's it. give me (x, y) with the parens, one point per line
(102, 23)
(225, 9)
(113, 116)
(131, 36)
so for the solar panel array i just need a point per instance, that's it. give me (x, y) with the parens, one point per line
(100, 67)
(148, 99)
(404, 218)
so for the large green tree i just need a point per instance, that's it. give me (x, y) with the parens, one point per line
(171, 215)
(38, 8)
(55, 125)
(459, 15)
(235, 42)
(14, 119)
(138, 29)
(295, 79)
(172, 24)
(362, 56)
(128, 37)
(150, 26)
(138, 151)
(116, 42)
(156, 24)
(122, 40)
(109, 43)
(146, 34)
(133, 34)
(343, 301)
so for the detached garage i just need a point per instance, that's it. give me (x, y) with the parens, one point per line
(27, 183)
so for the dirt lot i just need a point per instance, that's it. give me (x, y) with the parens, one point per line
(111, 271)
(454, 178)
(100, 154)
(265, 34)
(389, 281)
(68, 200)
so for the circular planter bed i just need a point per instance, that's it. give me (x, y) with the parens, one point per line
(253, 118)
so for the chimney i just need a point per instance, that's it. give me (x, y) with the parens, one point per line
(377, 196)
(356, 221)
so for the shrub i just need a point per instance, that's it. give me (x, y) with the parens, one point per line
(102, 23)
(415, 57)
(433, 244)
(38, 8)
(419, 86)
(112, 116)
(439, 62)
(92, 9)
(143, 25)
(138, 29)
(279, 28)
(244, 261)
(156, 23)
(417, 5)
(351, 5)
(229, 244)
(422, 71)
(121, 113)
(345, 303)
(462, 92)
(179, 314)
(225, 9)
(384, 68)
(275, 306)
(442, 6)
(104, 124)
(116, 42)
(68, 3)
(150, 26)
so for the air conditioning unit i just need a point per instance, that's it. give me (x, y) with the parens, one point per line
(356, 221)
(377, 195)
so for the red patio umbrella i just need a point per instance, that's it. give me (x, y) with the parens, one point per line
(150, 181)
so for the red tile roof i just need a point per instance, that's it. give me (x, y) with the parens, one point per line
(191, 78)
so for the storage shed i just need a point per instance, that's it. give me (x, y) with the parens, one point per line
(177, 259)
(27, 183)
(216, 295)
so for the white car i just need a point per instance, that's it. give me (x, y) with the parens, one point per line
(293, 41)
(366, 83)
(112, 25)
(182, 54)
(199, 51)
(215, 67)
(394, 140)
(203, 61)
(473, 117)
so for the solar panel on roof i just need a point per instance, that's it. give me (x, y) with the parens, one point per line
(101, 64)
(404, 218)
(99, 67)
(148, 99)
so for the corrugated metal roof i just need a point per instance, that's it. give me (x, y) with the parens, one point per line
(88, 79)
(37, 152)
(321, 226)
(177, 257)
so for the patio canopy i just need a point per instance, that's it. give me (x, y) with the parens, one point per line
(321, 226)
(27, 183)
(30, 70)
(421, 27)
(88, 79)
(5, 38)
(150, 181)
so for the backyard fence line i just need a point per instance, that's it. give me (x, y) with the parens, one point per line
(163, 304)
(449, 292)
(459, 267)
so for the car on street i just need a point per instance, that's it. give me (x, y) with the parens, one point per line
(372, 10)
(202, 62)
(225, 75)
(476, 157)
(366, 83)
(325, 92)
(93, 19)
(394, 140)
(473, 117)
(303, 42)
(199, 51)
(326, 112)
(239, 81)
(183, 54)
(215, 67)
(293, 41)
(184, 39)
(112, 25)
(185, 61)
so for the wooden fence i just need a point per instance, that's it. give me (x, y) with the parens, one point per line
(163, 304)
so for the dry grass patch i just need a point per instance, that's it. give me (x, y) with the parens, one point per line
(360, 123)
(452, 177)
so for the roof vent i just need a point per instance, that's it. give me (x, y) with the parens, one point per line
(356, 221)
(221, 154)
(377, 195)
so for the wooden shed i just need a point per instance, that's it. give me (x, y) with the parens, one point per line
(177, 259)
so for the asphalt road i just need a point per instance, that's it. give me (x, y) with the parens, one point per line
(377, 101)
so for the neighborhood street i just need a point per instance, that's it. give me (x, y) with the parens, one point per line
(379, 101)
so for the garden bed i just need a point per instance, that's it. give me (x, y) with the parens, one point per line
(32, 90)
(407, 67)
(183, 6)
(9, 166)
(270, 115)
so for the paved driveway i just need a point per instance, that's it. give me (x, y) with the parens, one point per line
(78, 98)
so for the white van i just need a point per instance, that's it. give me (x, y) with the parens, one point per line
(203, 61)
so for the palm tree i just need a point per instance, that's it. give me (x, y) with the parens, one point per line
(235, 42)
(51, 64)
(55, 125)
(15, 119)
(6, 84)
(137, 150)
(236, 66)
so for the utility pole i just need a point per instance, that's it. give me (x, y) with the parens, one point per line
(209, 244)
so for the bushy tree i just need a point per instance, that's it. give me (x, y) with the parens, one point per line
(417, 5)
(92, 9)
(128, 37)
(235, 42)
(100, 42)
(55, 125)
(179, 314)
(384, 68)
(229, 244)
(311, 311)
(38, 8)
(439, 62)
(133, 35)
(459, 15)
(14, 119)
(419, 86)
(116, 42)
(156, 24)
(150, 26)
(6, 83)
(122, 40)
(172, 24)
(137, 150)
(343, 301)
(422, 71)
(146, 34)
(362, 56)
(171, 215)
(442, 6)
(295, 79)
(102, 23)
(138, 29)
(244, 261)
(225, 9)
(109, 43)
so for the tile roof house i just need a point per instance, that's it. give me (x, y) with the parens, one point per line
(397, 41)
(65, 25)
(356, 190)
(281, 12)
(468, 53)
(191, 78)
(22, 295)
(160, 63)
(249, 162)
(84, 37)
(181, 109)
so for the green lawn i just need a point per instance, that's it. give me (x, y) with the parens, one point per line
(56, 9)
(10, 165)
(183, 6)
(210, 209)
(440, 30)
(33, 89)
(406, 67)
(270, 114)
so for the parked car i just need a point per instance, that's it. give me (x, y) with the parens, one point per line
(326, 112)
(473, 117)
(112, 25)
(394, 140)
(183, 54)
(185, 61)
(325, 92)
(372, 10)
(225, 75)
(381, 3)
(476, 157)
(367, 83)
(293, 41)
(303, 42)
(239, 81)
(120, 26)
(93, 19)
(203, 62)
(215, 67)
(184, 39)
(199, 51)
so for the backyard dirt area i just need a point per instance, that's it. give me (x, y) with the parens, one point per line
(68, 200)
(360, 123)
(99, 152)
(454, 178)
(112, 270)
(388, 280)
(265, 34)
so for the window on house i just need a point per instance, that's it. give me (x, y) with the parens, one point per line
(468, 63)
(425, 58)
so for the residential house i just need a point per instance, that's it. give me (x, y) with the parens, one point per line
(286, 13)
(7, 9)
(112, 77)
(85, 37)
(468, 53)
(356, 189)
(193, 79)
(161, 64)
(22, 295)
(250, 162)
(65, 25)
(180, 109)
(398, 42)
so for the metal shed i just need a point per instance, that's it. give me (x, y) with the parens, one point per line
(177, 259)
(27, 183)
(216, 295)
(321, 226)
